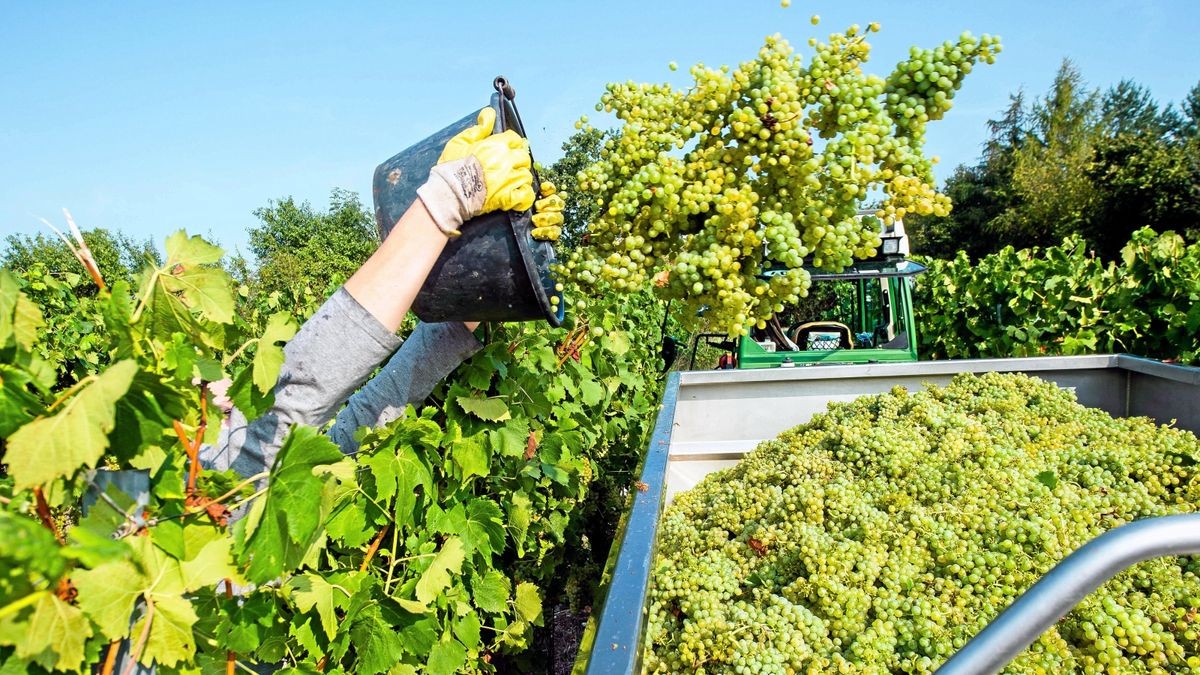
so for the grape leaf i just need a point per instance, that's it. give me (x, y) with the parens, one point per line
(207, 289)
(490, 592)
(56, 635)
(211, 563)
(399, 474)
(446, 658)
(283, 524)
(466, 629)
(519, 516)
(310, 591)
(246, 397)
(483, 529)
(269, 358)
(73, 437)
(108, 594)
(492, 409)
(471, 455)
(510, 439)
(377, 645)
(436, 578)
(20, 318)
(18, 405)
(171, 640)
(529, 603)
(592, 391)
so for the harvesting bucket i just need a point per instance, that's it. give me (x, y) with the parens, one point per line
(495, 271)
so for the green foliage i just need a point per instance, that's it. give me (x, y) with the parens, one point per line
(1065, 300)
(581, 150)
(1077, 161)
(118, 256)
(428, 551)
(299, 248)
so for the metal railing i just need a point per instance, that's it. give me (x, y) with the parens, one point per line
(1067, 583)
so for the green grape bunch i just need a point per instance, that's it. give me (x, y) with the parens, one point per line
(760, 167)
(885, 533)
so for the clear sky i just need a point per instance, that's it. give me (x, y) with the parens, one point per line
(151, 116)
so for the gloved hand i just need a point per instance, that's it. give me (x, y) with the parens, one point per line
(477, 173)
(548, 217)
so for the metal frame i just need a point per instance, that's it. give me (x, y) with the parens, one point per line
(1063, 587)
(1132, 386)
(617, 647)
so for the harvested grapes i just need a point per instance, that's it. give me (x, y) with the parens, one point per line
(757, 168)
(885, 533)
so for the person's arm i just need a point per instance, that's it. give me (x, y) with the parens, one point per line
(428, 355)
(340, 346)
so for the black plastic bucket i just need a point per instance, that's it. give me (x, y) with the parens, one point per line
(495, 271)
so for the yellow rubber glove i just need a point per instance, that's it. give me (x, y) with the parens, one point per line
(478, 172)
(547, 216)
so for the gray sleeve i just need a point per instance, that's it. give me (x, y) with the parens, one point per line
(426, 358)
(329, 358)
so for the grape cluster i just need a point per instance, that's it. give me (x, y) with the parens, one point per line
(885, 533)
(759, 167)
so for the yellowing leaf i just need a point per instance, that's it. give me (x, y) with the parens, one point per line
(269, 357)
(529, 603)
(212, 564)
(437, 578)
(56, 635)
(185, 250)
(171, 640)
(74, 437)
(491, 409)
(107, 594)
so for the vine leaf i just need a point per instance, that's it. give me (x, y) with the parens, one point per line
(446, 658)
(490, 592)
(56, 635)
(490, 409)
(376, 643)
(207, 289)
(398, 475)
(529, 603)
(437, 577)
(269, 358)
(20, 318)
(276, 535)
(108, 594)
(74, 437)
(471, 455)
(171, 640)
(209, 558)
(309, 592)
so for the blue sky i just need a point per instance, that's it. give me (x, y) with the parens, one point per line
(148, 116)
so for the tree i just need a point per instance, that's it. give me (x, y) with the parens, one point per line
(298, 247)
(581, 150)
(117, 255)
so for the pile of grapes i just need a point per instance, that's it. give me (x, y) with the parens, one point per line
(884, 534)
(756, 168)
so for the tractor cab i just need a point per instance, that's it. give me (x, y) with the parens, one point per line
(863, 314)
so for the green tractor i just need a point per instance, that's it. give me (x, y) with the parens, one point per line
(863, 314)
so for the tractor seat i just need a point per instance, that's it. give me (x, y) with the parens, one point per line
(823, 336)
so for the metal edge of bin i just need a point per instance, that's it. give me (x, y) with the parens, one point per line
(617, 644)
(879, 370)
(1159, 369)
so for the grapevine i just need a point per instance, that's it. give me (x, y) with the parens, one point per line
(756, 168)
(888, 531)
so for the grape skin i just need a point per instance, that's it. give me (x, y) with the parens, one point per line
(757, 167)
(888, 531)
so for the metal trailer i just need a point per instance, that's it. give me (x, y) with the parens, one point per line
(710, 419)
